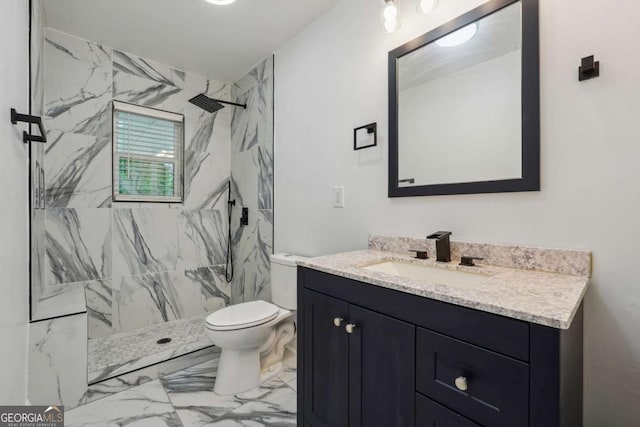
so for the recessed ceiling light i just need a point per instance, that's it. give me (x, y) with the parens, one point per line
(458, 37)
(220, 2)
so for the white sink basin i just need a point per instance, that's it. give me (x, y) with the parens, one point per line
(430, 274)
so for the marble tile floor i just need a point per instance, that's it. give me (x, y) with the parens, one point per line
(186, 398)
(119, 353)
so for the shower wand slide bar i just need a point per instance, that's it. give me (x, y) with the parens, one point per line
(26, 118)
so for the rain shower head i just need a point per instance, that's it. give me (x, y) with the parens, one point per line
(212, 105)
(206, 103)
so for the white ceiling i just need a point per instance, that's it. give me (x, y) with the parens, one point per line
(218, 42)
(498, 34)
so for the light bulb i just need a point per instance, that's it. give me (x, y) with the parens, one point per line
(458, 37)
(390, 11)
(426, 6)
(391, 25)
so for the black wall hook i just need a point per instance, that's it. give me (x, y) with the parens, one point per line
(26, 118)
(589, 68)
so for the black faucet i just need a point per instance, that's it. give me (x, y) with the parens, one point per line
(443, 248)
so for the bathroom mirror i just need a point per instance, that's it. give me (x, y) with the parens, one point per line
(464, 105)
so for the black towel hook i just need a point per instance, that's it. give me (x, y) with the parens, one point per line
(588, 69)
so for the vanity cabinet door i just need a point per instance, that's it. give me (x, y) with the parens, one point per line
(381, 370)
(326, 357)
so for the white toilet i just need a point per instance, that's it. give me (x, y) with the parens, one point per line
(241, 330)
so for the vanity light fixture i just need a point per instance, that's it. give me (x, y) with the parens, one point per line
(426, 6)
(220, 2)
(458, 37)
(390, 20)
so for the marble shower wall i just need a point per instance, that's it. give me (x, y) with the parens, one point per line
(37, 151)
(139, 263)
(58, 361)
(252, 182)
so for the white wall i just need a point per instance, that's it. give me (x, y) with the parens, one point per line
(436, 149)
(14, 234)
(332, 78)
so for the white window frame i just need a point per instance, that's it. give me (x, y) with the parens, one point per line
(178, 180)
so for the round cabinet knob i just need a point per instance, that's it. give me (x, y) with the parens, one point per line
(350, 327)
(461, 383)
(337, 321)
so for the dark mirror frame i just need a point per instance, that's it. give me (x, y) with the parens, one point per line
(530, 98)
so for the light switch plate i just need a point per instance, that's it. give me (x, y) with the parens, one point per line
(338, 197)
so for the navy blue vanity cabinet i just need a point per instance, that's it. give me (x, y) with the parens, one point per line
(432, 414)
(360, 365)
(486, 386)
(376, 357)
(381, 370)
(327, 362)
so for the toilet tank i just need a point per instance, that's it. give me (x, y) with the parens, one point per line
(284, 280)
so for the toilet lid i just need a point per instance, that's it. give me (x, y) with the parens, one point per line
(243, 315)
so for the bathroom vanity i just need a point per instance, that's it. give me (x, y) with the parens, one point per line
(378, 348)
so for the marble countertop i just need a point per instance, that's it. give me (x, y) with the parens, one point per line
(549, 299)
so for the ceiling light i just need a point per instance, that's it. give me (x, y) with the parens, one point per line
(391, 25)
(220, 2)
(426, 6)
(390, 21)
(458, 37)
(390, 10)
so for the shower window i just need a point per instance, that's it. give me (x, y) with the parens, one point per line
(148, 154)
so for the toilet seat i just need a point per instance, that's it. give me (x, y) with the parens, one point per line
(241, 316)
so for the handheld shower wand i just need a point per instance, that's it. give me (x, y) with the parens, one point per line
(228, 271)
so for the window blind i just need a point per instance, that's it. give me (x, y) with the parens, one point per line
(148, 150)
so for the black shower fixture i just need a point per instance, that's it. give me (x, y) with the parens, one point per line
(212, 105)
(27, 118)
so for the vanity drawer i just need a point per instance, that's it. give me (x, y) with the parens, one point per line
(432, 414)
(484, 386)
(498, 333)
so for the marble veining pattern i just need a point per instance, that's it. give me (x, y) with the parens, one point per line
(148, 299)
(548, 299)
(77, 85)
(252, 182)
(138, 247)
(99, 303)
(150, 70)
(89, 238)
(145, 405)
(148, 93)
(143, 375)
(253, 247)
(58, 361)
(78, 170)
(117, 354)
(564, 261)
(186, 398)
(60, 300)
(78, 245)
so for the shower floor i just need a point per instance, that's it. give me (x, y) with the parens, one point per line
(114, 355)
